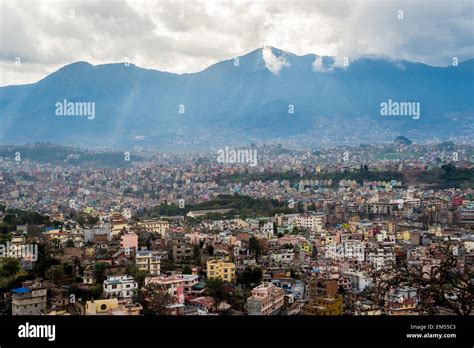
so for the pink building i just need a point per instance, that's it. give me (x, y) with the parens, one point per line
(129, 240)
(173, 284)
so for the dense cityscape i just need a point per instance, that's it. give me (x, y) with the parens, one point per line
(382, 229)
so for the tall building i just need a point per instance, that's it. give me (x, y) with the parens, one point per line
(266, 299)
(147, 261)
(313, 222)
(180, 250)
(324, 299)
(29, 299)
(217, 269)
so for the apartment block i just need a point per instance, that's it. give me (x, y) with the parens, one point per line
(155, 226)
(223, 270)
(266, 299)
(119, 286)
(147, 261)
(29, 299)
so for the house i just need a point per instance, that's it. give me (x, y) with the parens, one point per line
(89, 276)
(190, 281)
(119, 286)
(174, 285)
(285, 256)
(223, 270)
(324, 306)
(155, 226)
(129, 241)
(30, 299)
(111, 306)
(146, 260)
(266, 299)
(324, 299)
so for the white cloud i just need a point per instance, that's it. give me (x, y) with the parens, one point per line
(272, 62)
(338, 62)
(318, 65)
(188, 36)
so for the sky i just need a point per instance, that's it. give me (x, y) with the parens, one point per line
(37, 37)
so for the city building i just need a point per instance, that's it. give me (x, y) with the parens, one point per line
(119, 286)
(266, 299)
(147, 261)
(217, 269)
(30, 299)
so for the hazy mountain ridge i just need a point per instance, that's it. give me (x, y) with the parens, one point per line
(226, 103)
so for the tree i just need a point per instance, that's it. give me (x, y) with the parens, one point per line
(56, 273)
(9, 267)
(138, 275)
(446, 285)
(99, 271)
(300, 207)
(215, 289)
(197, 254)
(154, 298)
(249, 278)
(210, 250)
(187, 270)
(255, 247)
(96, 291)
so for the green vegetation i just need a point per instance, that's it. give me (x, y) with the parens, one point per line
(14, 217)
(57, 154)
(242, 206)
(255, 247)
(294, 177)
(154, 299)
(457, 177)
(84, 219)
(99, 271)
(403, 140)
(215, 289)
(249, 278)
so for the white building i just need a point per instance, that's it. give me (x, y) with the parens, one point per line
(381, 257)
(313, 222)
(155, 226)
(359, 280)
(119, 286)
(267, 229)
(285, 256)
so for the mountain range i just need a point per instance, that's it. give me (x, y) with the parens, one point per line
(267, 95)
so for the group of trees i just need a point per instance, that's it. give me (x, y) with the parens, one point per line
(154, 299)
(216, 289)
(456, 177)
(444, 287)
(249, 277)
(14, 217)
(255, 247)
(84, 219)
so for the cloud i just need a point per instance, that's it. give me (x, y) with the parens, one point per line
(188, 36)
(336, 62)
(272, 62)
(318, 65)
